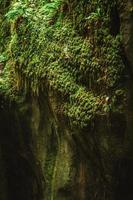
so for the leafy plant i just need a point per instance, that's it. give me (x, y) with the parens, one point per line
(18, 9)
(3, 58)
(95, 15)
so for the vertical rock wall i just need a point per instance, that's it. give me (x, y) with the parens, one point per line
(43, 158)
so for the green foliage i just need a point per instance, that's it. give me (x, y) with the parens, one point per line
(19, 9)
(95, 15)
(6, 82)
(3, 58)
(50, 9)
(68, 47)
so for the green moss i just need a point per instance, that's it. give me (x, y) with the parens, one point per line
(50, 162)
(49, 168)
(68, 47)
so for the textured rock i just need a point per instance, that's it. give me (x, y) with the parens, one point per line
(43, 158)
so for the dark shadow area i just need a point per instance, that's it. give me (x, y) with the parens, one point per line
(115, 22)
(124, 179)
(21, 172)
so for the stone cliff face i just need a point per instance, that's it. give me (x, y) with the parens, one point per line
(43, 157)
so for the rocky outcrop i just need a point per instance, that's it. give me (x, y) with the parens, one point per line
(44, 157)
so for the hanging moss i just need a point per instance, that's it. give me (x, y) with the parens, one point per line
(68, 46)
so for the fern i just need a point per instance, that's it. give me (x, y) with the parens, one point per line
(51, 8)
(18, 9)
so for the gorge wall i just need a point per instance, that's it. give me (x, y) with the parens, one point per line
(66, 90)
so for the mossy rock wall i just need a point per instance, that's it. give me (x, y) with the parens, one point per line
(68, 68)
